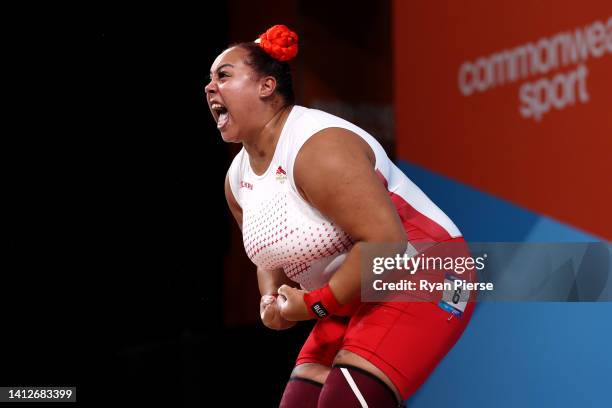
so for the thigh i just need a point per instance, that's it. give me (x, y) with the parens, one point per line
(311, 371)
(324, 341)
(405, 340)
(348, 358)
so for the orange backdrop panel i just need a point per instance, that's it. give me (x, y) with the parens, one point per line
(559, 165)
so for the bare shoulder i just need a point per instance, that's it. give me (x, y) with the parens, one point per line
(331, 151)
(334, 172)
(335, 143)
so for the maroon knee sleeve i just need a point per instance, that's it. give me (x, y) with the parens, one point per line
(349, 387)
(301, 393)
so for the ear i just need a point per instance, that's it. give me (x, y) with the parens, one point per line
(267, 86)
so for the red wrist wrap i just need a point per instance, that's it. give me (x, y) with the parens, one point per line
(321, 303)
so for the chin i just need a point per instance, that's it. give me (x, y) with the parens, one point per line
(230, 137)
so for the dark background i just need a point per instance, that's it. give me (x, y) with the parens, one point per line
(122, 276)
(118, 223)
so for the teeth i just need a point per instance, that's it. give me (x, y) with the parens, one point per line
(217, 106)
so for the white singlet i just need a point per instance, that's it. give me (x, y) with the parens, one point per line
(281, 230)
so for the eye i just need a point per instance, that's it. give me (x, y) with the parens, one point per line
(223, 74)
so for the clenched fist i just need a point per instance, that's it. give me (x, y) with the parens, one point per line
(293, 307)
(269, 309)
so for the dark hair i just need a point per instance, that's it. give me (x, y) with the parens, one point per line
(265, 65)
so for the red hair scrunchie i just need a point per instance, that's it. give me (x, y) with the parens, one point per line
(279, 42)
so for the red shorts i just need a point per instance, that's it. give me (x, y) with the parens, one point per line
(405, 340)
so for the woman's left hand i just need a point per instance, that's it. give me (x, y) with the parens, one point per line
(293, 308)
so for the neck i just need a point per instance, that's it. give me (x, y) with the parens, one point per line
(261, 146)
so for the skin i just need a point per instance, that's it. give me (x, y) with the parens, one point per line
(354, 199)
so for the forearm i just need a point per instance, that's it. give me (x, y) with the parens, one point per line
(345, 284)
(270, 280)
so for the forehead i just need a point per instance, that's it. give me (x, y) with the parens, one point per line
(234, 56)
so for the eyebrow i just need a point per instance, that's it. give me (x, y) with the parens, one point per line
(221, 67)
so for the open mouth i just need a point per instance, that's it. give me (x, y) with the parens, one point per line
(220, 114)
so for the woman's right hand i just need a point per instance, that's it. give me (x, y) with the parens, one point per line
(269, 309)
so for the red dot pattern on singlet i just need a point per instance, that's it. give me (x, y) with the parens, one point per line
(273, 240)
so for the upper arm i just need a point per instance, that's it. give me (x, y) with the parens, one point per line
(232, 203)
(334, 171)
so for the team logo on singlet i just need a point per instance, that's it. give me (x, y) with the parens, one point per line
(281, 175)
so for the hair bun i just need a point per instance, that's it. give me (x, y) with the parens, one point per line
(279, 42)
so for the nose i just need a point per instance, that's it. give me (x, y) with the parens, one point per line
(211, 87)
